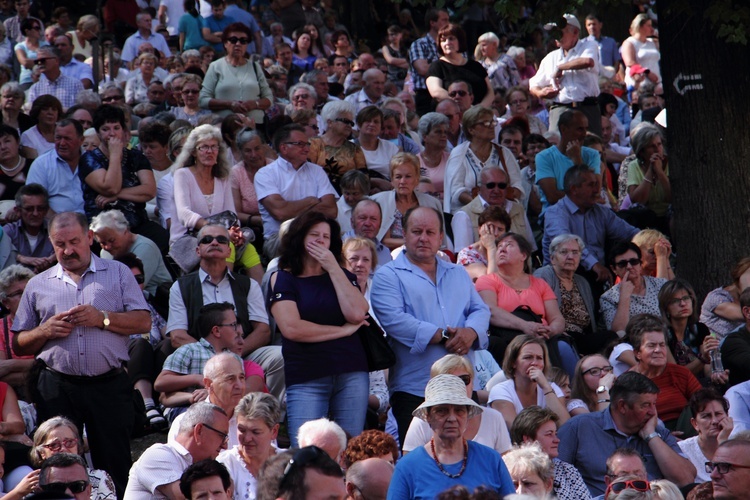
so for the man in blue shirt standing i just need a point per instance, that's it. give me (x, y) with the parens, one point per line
(609, 54)
(214, 25)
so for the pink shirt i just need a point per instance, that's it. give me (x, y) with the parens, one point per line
(242, 181)
(508, 299)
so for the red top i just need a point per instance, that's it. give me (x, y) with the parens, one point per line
(676, 385)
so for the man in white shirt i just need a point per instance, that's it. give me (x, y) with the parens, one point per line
(372, 90)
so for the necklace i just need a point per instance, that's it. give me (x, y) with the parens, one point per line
(10, 172)
(440, 466)
(432, 162)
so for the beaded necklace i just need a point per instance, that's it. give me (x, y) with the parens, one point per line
(440, 466)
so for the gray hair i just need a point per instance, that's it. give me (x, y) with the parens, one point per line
(12, 275)
(111, 219)
(574, 176)
(217, 362)
(515, 51)
(88, 98)
(311, 429)
(203, 133)
(246, 135)
(399, 103)
(642, 135)
(175, 139)
(334, 109)
(665, 489)
(429, 121)
(277, 69)
(174, 76)
(311, 76)
(303, 86)
(563, 239)
(15, 89)
(259, 406)
(355, 179)
(489, 37)
(190, 53)
(199, 413)
(531, 458)
(111, 86)
(49, 49)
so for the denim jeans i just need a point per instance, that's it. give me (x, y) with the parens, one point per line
(343, 397)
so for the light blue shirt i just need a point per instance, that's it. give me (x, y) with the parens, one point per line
(78, 70)
(411, 308)
(130, 49)
(384, 255)
(552, 163)
(62, 184)
(596, 226)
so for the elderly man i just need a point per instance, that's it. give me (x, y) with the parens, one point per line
(207, 479)
(553, 162)
(372, 90)
(291, 185)
(624, 462)
(65, 473)
(630, 421)
(730, 469)
(224, 381)
(112, 232)
(319, 80)
(57, 169)
(76, 317)
(313, 474)
(53, 81)
(368, 479)
(428, 307)
(422, 53)
(493, 183)
(367, 217)
(569, 76)
(71, 66)
(144, 34)
(29, 234)
(580, 213)
(276, 37)
(450, 109)
(326, 435)
(202, 434)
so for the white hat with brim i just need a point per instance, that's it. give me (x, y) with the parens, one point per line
(446, 390)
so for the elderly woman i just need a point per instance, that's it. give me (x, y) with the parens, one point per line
(538, 426)
(31, 29)
(318, 308)
(82, 115)
(525, 69)
(12, 98)
(378, 152)
(433, 129)
(721, 311)
(112, 232)
(258, 418)
(404, 175)
(487, 427)
(448, 459)
(712, 423)
(201, 181)
(233, 84)
(60, 435)
(479, 257)
(532, 471)
(308, 118)
(242, 177)
(354, 187)
(501, 70)
(689, 341)
(648, 336)
(13, 280)
(46, 110)
(371, 443)
(519, 104)
(648, 178)
(634, 294)
(526, 364)
(191, 111)
(592, 380)
(573, 293)
(86, 30)
(453, 65)
(656, 250)
(302, 96)
(14, 168)
(642, 48)
(136, 90)
(333, 151)
(468, 159)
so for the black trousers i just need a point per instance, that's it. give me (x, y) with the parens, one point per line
(104, 405)
(402, 404)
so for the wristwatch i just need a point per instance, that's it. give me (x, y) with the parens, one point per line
(105, 321)
(444, 337)
(601, 389)
(652, 436)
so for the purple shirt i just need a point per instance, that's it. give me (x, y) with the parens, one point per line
(87, 351)
(17, 234)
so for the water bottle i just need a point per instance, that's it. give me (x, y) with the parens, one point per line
(716, 364)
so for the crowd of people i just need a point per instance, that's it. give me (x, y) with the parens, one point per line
(211, 225)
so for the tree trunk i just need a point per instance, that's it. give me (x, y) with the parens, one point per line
(708, 144)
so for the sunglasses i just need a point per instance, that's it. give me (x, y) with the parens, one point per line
(622, 264)
(140, 279)
(59, 445)
(113, 98)
(493, 185)
(60, 488)
(300, 459)
(189, 92)
(42, 60)
(208, 239)
(234, 40)
(460, 93)
(301, 96)
(345, 121)
(466, 379)
(299, 144)
(596, 371)
(637, 485)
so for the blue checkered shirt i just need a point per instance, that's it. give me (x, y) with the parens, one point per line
(422, 48)
(64, 88)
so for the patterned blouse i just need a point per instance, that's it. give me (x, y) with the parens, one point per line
(574, 310)
(336, 161)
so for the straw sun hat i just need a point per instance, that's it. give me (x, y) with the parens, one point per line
(446, 390)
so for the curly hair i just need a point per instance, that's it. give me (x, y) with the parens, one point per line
(372, 443)
(204, 133)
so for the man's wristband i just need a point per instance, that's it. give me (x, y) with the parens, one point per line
(549, 392)
(652, 436)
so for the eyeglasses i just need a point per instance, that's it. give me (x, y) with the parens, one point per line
(113, 98)
(42, 60)
(206, 148)
(234, 40)
(232, 325)
(518, 101)
(466, 379)
(140, 279)
(56, 446)
(487, 124)
(596, 371)
(460, 93)
(345, 121)
(723, 467)
(301, 458)
(74, 487)
(680, 300)
(565, 252)
(622, 264)
(637, 485)
(299, 144)
(208, 239)
(300, 96)
(223, 435)
(30, 210)
(15, 294)
(189, 92)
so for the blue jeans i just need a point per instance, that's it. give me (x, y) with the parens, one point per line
(343, 396)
